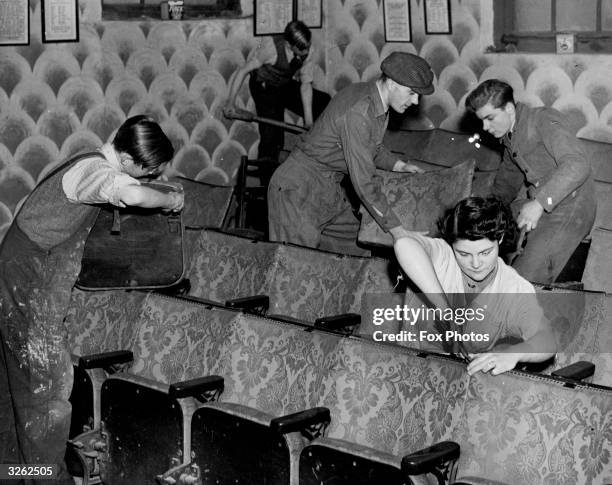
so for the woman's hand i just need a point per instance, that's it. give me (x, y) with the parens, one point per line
(493, 362)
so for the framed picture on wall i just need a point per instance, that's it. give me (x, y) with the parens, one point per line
(14, 22)
(396, 17)
(310, 12)
(437, 17)
(60, 20)
(271, 16)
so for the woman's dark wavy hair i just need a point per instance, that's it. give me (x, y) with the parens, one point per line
(144, 140)
(476, 218)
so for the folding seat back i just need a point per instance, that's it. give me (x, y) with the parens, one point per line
(308, 284)
(580, 322)
(206, 205)
(180, 340)
(102, 321)
(602, 353)
(225, 267)
(268, 357)
(146, 426)
(387, 401)
(378, 287)
(522, 429)
(277, 369)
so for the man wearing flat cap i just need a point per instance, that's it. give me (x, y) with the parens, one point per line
(306, 203)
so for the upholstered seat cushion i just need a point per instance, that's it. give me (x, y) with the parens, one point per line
(419, 200)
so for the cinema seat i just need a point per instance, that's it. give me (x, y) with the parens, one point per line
(270, 407)
(521, 429)
(145, 410)
(393, 413)
(285, 281)
(97, 322)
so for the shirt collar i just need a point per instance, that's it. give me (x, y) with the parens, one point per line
(518, 111)
(381, 108)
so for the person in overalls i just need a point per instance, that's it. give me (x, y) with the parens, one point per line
(544, 174)
(281, 72)
(305, 196)
(40, 259)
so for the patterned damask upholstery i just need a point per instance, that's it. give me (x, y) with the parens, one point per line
(603, 346)
(274, 369)
(419, 200)
(279, 368)
(521, 429)
(226, 267)
(302, 283)
(386, 402)
(516, 428)
(179, 340)
(580, 321)
(103, 321)
(309, 284)
(393, 400)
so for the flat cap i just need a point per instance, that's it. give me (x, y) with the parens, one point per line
(409, 70)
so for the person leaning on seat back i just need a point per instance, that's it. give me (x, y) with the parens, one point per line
(39, 264)
(305, 195)
(274, 65)
(544, 174)
(463, 270)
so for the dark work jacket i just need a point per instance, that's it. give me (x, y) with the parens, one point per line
(542, 160)
(348, 139)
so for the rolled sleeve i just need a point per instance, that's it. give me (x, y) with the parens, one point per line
(384, 158)
(357, 145)
(94, 181)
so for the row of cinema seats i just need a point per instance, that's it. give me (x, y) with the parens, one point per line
(307, 286)
(381, 404)
(287, 281)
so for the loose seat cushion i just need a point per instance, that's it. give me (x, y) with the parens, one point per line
(419, 200)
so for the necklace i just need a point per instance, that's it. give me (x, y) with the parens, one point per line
(472, 286)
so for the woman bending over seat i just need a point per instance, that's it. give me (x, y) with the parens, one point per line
(461, 273)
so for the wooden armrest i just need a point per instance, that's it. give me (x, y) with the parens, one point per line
(205, 389)
(344, 322)
(429, 460)
(310, 422)
(255, 304)
(577, 371)
(105, 359)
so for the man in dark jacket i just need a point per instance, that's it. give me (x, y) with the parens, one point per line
(544, 174)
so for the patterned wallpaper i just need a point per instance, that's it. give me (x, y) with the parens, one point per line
(57, 99)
